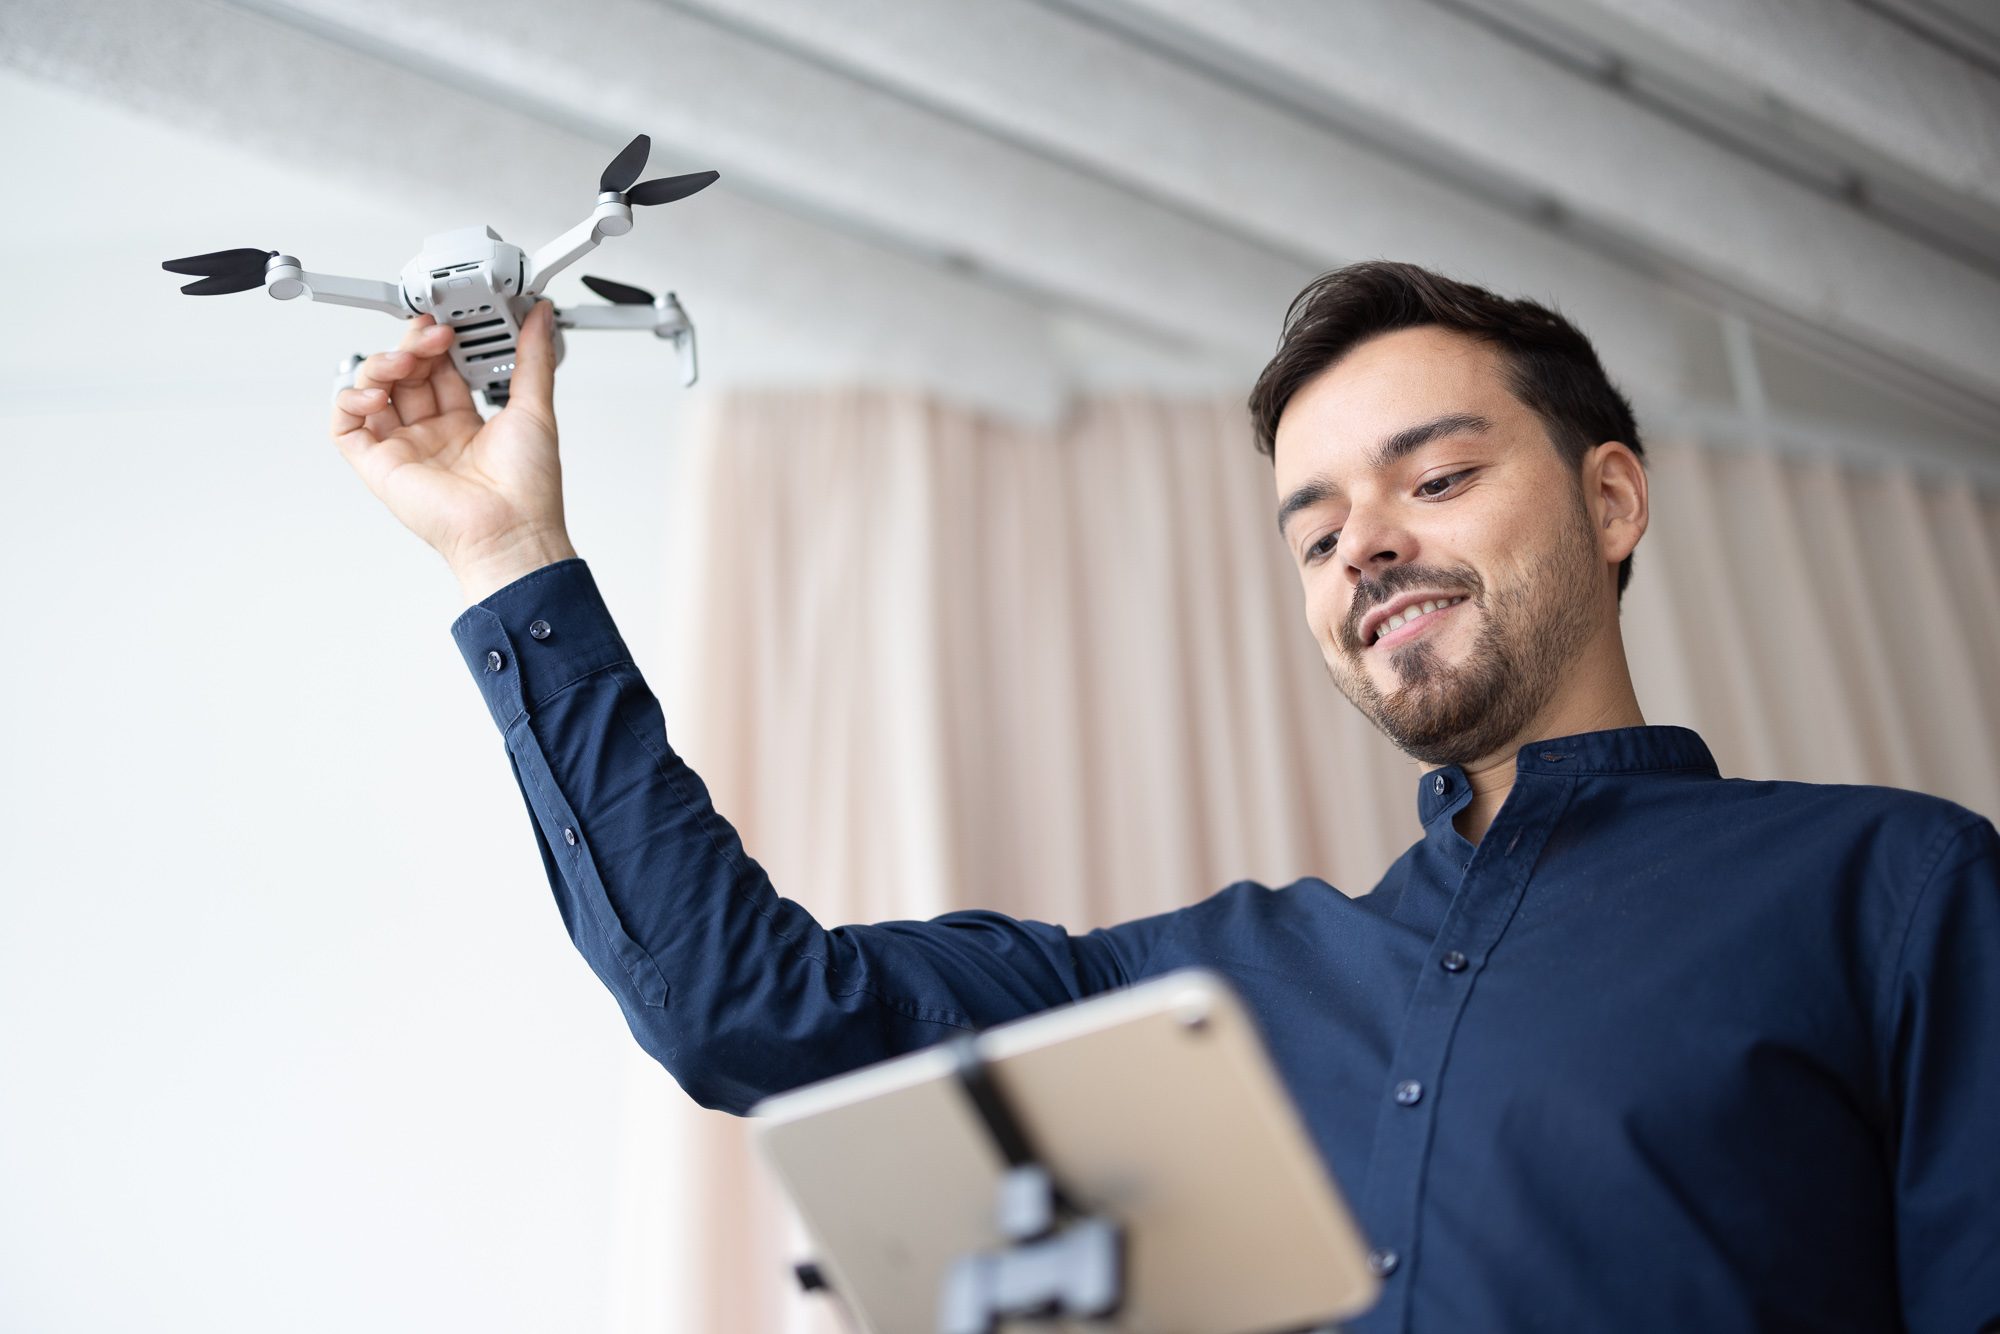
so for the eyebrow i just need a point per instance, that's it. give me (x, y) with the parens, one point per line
(1404, 442)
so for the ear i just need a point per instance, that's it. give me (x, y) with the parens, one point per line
(1614, 489)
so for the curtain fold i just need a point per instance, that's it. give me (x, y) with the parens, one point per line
(927, 660)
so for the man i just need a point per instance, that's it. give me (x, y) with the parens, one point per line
(1617, 1043)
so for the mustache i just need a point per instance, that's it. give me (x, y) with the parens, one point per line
(1400, 579)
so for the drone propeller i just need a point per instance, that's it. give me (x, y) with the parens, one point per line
(667, 189)
(617, 294)
(631, 160)
(222, 271)
(625, 168)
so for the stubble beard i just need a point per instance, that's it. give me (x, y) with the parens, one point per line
(1456, 713)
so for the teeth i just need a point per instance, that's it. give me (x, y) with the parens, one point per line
(1402, 618)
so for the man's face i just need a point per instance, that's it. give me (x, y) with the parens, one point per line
(1474, 503)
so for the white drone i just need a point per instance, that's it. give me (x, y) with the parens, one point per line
(482, 286)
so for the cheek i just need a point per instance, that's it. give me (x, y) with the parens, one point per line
(1326, 612)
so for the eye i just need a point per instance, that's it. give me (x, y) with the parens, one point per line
(1443, 485)
(1442, 482)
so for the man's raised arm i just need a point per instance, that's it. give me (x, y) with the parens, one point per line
(739, 992)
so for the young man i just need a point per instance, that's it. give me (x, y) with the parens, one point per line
(1618, 1043)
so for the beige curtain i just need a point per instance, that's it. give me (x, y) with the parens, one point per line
(925, 660)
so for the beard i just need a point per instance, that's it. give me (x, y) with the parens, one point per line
(1454, 713)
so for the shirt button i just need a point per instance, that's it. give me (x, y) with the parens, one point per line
(1408, 1092)
(1383, 1263)
(1452, 962)
(569, 836)
(540, 629)
(493, 660)
(1437, 785)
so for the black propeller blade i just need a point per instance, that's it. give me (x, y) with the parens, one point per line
(222, 270)
(631, 160)
(667, 189)
(625, 168)
(617, 293)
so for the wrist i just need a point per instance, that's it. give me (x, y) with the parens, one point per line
(482, 576)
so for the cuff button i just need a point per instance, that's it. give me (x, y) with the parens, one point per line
(540, 629)
(493, 660)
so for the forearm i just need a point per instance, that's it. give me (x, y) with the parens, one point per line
(737, 991)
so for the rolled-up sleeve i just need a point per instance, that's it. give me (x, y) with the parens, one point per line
(1944, 1020)
(737, 991)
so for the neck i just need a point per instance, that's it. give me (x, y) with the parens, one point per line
(1596, 697)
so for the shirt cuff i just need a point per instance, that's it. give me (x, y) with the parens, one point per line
(544, 631)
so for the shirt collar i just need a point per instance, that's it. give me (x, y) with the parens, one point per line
(1618, 750)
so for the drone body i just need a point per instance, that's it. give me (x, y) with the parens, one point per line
(482, 286)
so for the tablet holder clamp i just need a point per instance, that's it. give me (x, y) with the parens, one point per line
(1059, 1262)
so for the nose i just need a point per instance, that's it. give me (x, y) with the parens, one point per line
(1372, 541)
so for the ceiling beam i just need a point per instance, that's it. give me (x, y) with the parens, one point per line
(1473, 101)
(1129, 116)
(1850, 82)
(844, 154)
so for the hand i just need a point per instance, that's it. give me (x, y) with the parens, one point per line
(486, 494)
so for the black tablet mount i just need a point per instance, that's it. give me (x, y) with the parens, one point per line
(1059, 1263)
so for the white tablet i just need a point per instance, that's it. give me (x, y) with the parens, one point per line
(1154, 1105)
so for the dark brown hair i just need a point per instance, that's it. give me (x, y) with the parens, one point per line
(1551, 367)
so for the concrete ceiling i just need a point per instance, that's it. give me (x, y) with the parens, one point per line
(1017, 198)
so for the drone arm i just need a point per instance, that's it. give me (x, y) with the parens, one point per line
(671, 323)
(337, 291)
(611, 217)
(287, 281)
(607, 317)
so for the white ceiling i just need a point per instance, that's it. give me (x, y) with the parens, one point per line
(1012, 199)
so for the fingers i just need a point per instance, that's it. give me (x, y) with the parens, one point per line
(345, 425)
(406, 372)
(362, 417)
(373, 408)
(534, 384)
(393, 388)
(448, 386)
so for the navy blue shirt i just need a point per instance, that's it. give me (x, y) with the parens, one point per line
(1664, 1050)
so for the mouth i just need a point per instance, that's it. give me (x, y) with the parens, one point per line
(1408, 622)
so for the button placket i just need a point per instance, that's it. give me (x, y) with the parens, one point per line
(1391, 1191)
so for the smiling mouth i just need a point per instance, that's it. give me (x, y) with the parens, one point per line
(1412, 621)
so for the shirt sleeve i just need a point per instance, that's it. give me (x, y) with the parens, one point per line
(739, 992)
(1944, 1017)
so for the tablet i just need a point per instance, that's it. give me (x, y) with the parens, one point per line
(1154, 1105)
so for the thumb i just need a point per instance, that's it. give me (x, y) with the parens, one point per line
(534, 385)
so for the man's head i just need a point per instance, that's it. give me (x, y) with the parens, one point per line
(1432, 441)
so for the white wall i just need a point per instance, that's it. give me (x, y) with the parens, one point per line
(291, 1036)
